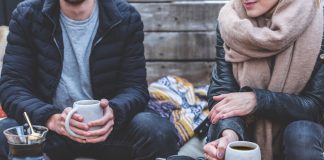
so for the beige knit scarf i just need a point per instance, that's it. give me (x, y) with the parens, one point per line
(291, 34)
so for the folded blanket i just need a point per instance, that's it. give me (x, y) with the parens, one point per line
(176, 99)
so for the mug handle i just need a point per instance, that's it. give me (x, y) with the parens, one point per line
(67, 124)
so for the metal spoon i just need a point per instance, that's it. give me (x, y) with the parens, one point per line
(33, 135)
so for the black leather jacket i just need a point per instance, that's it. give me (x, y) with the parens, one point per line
(308, 105)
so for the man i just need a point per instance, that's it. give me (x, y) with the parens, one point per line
(61, 51)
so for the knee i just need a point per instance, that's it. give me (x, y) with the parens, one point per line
(5, 124)
(154, 135)
(302, 139)
(302, 132)
(154, 127)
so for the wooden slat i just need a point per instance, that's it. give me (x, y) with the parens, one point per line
(195, 72)
(160, 1)
(180, 45)
(186, 16)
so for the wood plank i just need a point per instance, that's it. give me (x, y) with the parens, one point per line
(180, 45)
(9, 6)
(195, 72)
(178, 16)
(161, 1)
(2, 14)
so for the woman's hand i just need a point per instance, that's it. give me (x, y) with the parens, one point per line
(215, 150)
(231, 105)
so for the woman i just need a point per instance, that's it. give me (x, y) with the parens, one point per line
(268, 83)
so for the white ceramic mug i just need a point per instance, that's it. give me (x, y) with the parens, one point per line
(242, 150)
(90, 110)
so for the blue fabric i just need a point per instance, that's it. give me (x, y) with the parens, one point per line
(303, 140)
(146, 137)
(34, 60)
(5, 124)
(77, 38)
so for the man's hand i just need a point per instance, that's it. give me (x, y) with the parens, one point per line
(215, 150)
(106, 123)
(56, 124)
(231, 105)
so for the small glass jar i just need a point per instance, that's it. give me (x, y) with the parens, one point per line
(23, 146)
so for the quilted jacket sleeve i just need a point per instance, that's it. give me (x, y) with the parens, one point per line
(18, 75)
(133, 95)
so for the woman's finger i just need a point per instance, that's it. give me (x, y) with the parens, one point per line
(226, 109)
(221, 103)
(223, 142)
(211, 149)
(233, 113)
(209, 157)
(216, 118)
(219, 97)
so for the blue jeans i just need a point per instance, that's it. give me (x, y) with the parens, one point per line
(303, 140)
(146, 137)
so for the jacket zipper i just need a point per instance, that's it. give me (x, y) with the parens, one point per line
(61, 57)
(94, 45)
(100, 39)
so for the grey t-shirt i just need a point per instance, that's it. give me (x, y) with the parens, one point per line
(78, 38)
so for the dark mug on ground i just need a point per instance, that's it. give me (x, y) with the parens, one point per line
(242, 150)
(179, 157)
(90, 110)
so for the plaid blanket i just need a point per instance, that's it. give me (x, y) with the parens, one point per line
(176, 99)
(2, 113)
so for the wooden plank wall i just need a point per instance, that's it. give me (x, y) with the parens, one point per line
(6, 8)
(179, 37)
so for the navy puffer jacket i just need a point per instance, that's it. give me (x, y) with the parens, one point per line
(34, 55)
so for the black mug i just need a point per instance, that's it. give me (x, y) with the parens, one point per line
(179, 157)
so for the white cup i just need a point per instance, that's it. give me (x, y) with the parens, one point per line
(90, 110)
(242, 150)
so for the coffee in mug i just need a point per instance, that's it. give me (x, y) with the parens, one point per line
(242, 150)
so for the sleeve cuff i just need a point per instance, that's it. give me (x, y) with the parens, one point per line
(45, 113)
(118, 116)
(259, 98)
(236, 124)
